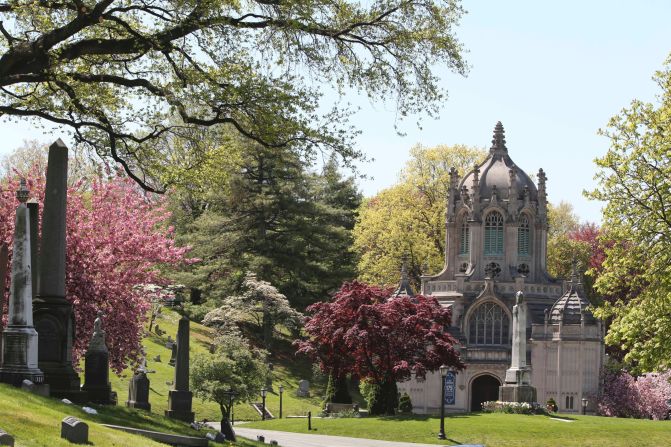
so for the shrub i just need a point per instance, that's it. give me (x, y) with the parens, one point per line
(551, 405)
(405, 404)
(512, 407)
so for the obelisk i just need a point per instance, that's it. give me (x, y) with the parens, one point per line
(96, 367)
(180, 398)
(54, 317)
(517, 386)
(19, 339)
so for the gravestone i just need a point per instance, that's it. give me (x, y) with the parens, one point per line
(173, 354)
(157, 359)
(216, 437)
(53, 314)
(517, 386)
(180, 398)
(6, 438)
(96, 367)
(39, 389)
(18, 358)
(303, 388)
(138, 391)
(74, 430)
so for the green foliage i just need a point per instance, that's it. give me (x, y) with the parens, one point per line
(405, 403)
(235, 366)
(270, 215)
(634, 182)
(134, 79)
(409, 217)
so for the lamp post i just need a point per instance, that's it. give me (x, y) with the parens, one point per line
(584, 405)
(443, 373)
(281, 389)
(263, 404)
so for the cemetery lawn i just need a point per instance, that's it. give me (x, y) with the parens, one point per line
(491, 430)
(36, 421)
(288, 371)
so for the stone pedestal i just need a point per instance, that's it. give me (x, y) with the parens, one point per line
(138, 392)
(179, 404)
(517, 393)
(96, 368)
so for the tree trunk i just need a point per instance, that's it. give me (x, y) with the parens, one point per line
(225, 426)
(386, 399)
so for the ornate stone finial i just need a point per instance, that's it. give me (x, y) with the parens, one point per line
(97, 342)
(22, 193)
(97, 324)
(499, 141)
(574, 272)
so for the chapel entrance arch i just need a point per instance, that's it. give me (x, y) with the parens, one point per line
(484, 388)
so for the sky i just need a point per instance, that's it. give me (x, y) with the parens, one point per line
(552, 72)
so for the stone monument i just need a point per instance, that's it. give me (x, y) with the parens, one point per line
(53, 314)
(138, 389)
(18, 358)
(179, 398)
(517, 386)
(96, 367)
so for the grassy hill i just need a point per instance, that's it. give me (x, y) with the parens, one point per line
(288, 371)
(35, 421)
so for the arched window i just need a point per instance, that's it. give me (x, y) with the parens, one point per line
(494, 234)
(464, 238)
(488, 325)
(523, 236)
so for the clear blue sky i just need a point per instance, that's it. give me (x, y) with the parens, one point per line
(552, 72)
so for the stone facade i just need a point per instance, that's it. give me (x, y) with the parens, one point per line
(496, 246)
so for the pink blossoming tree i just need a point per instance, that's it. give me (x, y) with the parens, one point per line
(116, 240)
(647, 396)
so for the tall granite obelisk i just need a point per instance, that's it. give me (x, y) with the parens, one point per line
(18, 358)
(180, 398)
(517, 387)
(53, 314)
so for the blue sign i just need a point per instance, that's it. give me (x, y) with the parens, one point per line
(450, 385)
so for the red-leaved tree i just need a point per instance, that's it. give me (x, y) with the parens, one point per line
(363, 332)
(116, 239)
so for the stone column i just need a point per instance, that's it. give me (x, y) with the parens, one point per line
(19, 347)
(54, 318)
(517, 386)
(96, 367)
(180, 398)
(34, 209)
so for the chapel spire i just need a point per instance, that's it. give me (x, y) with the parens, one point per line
(498, 141)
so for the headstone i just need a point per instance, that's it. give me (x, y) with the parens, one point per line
(273, 442)
(53, 314)
(19, 339)
(96, 367)
(216, 437)
(180, 398)
(6, 438)
(303, 388)
(74, 430)
(173, 355)
(157, 359)
(517, 386)
(41, 389)
(138, 391)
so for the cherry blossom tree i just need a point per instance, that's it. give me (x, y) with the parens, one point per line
(382, 340)
(116, 240)
(646, 396)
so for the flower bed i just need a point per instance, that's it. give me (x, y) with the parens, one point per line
(512, 407)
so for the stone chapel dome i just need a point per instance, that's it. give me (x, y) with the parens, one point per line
(495, 172)
(571, 305)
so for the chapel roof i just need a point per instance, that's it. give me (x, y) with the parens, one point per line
(498, 172)
(571, 306)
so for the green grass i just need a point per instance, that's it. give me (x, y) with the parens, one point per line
(36, 421)
(288, 371)
(492, 430)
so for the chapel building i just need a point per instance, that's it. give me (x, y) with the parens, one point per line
(497, 227)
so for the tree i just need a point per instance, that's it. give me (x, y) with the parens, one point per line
(124, 75)
(379, 339)
(260, 302)
(233, 367)
(269, 215)
(116, 241)
(644, 397)
(409, 217)
(633, 181)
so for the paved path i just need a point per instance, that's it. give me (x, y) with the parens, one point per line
(287, 439)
